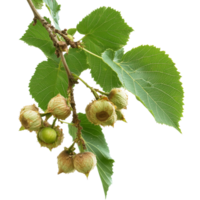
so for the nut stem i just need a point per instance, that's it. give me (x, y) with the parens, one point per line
(92, 89)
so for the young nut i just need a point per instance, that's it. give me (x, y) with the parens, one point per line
(70, 37)
(101, 112)
(47, 135)
(85, 162)
(58, 107)
(119, 97)
(50, 138)
(65, 163)
(30, 120)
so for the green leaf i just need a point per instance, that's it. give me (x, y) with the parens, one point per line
(105, 76)
(54, 9)
(71, 31)
(38, 36)
(76, 60)
(38, 3)
(95, 142)
(152, 76)
(103, 28)
(20, 128)
(48, 80)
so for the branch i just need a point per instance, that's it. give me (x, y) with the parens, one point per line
(67, 39)
(51, 30)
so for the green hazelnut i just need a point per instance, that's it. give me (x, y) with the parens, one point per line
(47, 135)
(59, 141)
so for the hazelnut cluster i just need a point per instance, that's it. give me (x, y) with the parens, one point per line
(47, 135)
(107, 110)
(82, 162)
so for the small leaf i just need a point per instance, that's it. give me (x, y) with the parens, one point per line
(20, 128)
(72, 31)
(54, 10)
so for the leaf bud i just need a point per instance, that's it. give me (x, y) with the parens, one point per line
(65, 162)
(30, 120)
(85, 162)
(101, 112)
(119, 97)
(70, 37)
(58, 107)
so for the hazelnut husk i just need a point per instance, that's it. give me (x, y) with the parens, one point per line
(30, 120)
(58, 107)
(58, 140)
(119, 97)
(65, 163)
(101, 112)
(85, 162)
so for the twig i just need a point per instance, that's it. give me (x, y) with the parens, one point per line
(66, 66)
(44, 23)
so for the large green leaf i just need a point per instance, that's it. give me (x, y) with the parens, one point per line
(103, 28)
(152, 76)
(105, 76)
(95, 142)
(54, 9)
(49, 79)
